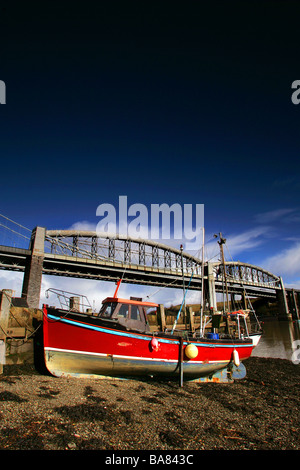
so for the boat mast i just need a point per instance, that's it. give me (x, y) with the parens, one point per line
(183, 283)
(202, 285)
(221, 243)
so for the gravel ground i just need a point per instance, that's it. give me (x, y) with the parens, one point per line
(260, 412)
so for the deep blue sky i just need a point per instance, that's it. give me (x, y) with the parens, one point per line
(175, 102)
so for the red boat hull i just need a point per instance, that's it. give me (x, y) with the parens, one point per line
(76, 345)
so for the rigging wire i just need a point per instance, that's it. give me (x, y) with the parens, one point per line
(245, 292)
(11, 230)
(16, 223)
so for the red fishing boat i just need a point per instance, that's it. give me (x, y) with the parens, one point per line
(117, 342)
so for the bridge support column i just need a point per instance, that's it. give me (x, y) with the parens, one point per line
(212, 300)
(33, 271)
(295, 304)
(283, 303)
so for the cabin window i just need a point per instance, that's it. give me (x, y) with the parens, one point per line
(129, 312)
(107, 310)
(123, 311)
(135, 313)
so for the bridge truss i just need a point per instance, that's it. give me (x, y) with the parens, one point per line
(146, 262)
(90, 255)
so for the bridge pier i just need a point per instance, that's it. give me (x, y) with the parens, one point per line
(293, 304)
(210, 288)
(282, 302)
(32, 280)
(296, 303)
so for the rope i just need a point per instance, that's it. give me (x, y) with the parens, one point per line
(20, 339)
(245, 292)
(178, 315)
(163, 287)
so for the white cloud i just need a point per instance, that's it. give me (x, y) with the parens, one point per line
(237, 243)
(294, 284)
(272, 216)
(285, 263)
(12, 280)
(83, 225)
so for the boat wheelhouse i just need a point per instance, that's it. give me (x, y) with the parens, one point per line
(130, 313)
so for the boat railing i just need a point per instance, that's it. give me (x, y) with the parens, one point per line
(71, 301)
(237, 324)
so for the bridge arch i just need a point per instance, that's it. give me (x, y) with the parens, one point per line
(121, 249)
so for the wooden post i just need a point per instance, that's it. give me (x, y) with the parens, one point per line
(191, 318)
(5, 303)
(161, 319)
(181, 362)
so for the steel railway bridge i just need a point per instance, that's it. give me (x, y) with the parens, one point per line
(90, 255)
